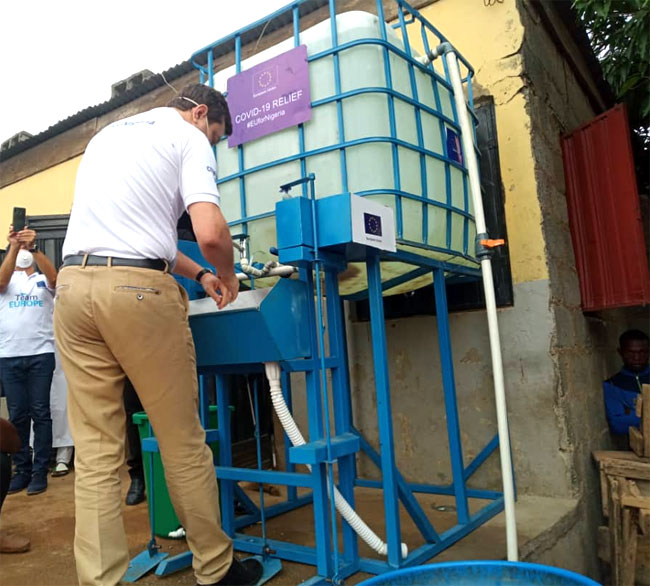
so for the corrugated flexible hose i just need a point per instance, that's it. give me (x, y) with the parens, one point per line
(342, 506)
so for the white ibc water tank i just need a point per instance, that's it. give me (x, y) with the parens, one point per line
(409, 167)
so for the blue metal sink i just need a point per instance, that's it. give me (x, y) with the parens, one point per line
(262, 325)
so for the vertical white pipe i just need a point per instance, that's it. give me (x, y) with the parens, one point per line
(469, 153)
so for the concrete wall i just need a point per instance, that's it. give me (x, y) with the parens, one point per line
(47, 192)
(582, 347)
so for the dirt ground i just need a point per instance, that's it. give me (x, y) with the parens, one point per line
(48, 519)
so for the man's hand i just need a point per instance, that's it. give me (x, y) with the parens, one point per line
(27, 238)
(12, 237)
(223, 290)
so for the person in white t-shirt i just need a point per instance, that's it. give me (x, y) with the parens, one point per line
(119, 313)
(27, 354)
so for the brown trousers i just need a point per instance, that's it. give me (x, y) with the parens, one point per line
(116, 321)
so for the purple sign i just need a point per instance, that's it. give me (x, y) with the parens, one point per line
(269, 97)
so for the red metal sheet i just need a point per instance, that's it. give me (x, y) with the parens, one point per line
(604, 213)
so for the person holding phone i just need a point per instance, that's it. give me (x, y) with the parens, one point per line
(119, 313)
(27, 354)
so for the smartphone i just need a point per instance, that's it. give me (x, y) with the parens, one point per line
(19, 219)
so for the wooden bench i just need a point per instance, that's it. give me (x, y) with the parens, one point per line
(625, 491)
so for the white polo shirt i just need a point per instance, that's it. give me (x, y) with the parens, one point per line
(26, 309)
(136, 178)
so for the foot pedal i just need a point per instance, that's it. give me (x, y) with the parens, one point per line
(272, 567)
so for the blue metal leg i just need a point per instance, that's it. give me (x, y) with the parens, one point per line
(204, 403)
(319, 472)
(405, 493)
(449, 389)
(384, 419)
(342, 404)
(225, 456)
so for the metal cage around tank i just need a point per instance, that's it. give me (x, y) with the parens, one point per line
(421, 174)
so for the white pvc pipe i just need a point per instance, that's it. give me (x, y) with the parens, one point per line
(467, 135)
(247, 268)
(272, 370)
(281, 271)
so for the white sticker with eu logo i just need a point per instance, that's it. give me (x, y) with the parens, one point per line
(373, 224)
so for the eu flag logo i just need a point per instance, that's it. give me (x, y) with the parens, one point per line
(454, 147)
(372, 224)
(265, 80)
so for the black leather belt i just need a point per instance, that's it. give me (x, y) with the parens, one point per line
(92, 260)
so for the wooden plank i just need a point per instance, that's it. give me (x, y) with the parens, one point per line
(645, 419)
(636, 469)
(629, 544)
(614, 528)
(636, 441)
(642, 549)
(639, 406)
(640, 502)
(606, 455)
(603, 492)
(603, 543)
(644, 522)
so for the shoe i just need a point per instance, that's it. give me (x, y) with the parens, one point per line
(135, 494)
(37, 485)
(18, 482)
(13, 543)
(61, 469)
(246, 573)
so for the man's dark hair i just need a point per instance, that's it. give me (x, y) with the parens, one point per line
(632, 336)
(202, 94)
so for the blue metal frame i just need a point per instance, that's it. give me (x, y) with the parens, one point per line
(334, 564)
(335, 561)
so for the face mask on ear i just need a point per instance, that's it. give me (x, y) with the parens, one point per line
(24, 259)
(207, 129)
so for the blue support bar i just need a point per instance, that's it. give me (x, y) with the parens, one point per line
(399, 220)
(226, 490)
(264, 476)
(474, 493)
(245, 501)
(342, 404)
(483, 455)
(384, 417)
(426, 552)
(337, 89)
(449, 389)
(316, 432)
(273, 511)
(316, 452)
(405, 494)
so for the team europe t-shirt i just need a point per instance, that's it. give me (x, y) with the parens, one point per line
(134, 181)
(26, 309)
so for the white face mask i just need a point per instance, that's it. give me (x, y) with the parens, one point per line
(24, 259)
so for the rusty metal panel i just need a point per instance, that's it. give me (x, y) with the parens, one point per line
(604, 213)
